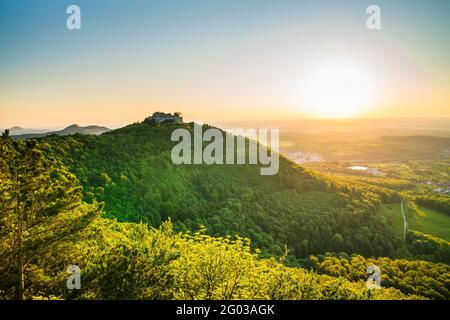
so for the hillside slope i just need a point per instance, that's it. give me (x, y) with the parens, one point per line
(130, 169)
(132, 261)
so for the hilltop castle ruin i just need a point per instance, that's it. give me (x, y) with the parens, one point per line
(161, 117)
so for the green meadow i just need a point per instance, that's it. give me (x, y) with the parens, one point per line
(426, 220)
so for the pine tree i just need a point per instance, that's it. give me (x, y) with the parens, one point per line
(33, 187)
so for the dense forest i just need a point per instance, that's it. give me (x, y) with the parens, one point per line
(140, 227)
(412, 277)
(130, 170)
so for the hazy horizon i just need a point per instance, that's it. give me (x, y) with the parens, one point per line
(306, 125)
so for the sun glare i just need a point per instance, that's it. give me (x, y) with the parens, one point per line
(337, 92)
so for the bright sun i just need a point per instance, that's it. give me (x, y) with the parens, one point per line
(337, 92)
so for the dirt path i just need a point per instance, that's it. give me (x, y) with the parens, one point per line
(405, 224)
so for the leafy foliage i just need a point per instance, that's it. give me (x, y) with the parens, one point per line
(428, 247)
(410, 277)
(437, 202)
(130, 261)
(34, 187)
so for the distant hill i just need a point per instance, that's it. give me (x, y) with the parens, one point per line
(16, 130)
(73, 129)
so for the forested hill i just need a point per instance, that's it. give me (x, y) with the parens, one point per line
(130, 170)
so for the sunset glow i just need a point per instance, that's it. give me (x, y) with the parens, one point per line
(337, 91)
(277, 60)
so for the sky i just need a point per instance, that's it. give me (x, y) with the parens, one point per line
(221, 60)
